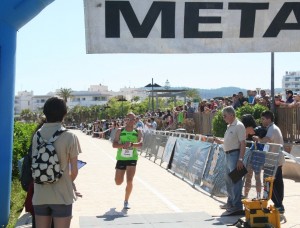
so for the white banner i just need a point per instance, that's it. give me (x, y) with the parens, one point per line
(178, 26)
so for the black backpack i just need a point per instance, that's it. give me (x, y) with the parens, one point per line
(45, 164)
(26, 173)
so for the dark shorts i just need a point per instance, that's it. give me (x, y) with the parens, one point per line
(53, 210)
(123, 164)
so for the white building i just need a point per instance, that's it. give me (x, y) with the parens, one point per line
(291, 81)
(38, 102)
(95, 95)
(130, 93)
(98, 88)
(88, 98)
(23, 101)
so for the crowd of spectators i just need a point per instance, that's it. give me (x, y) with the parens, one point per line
(177, 117)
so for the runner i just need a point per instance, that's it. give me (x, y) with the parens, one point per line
(127, 140)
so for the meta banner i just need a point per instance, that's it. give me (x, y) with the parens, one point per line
(178, 26)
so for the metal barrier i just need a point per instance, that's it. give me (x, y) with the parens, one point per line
(260, 165)
(201, 163)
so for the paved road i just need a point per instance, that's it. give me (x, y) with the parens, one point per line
(157, 195)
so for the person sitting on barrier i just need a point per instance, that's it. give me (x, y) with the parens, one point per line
(234, 145)
(257, 159)
(127, 140)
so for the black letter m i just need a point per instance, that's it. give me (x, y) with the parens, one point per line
(112, 19)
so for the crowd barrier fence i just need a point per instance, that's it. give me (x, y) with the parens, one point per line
(201, 163)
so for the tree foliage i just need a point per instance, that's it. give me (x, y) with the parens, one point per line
(219, 125)
(65, 93)
(22, 139)
(193, 94)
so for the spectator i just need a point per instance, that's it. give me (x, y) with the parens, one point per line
(180, 115)
(54, 201)
(296, 102)
(251, 96)
(202, 105)
(289, 97)
(234, 145)
(242, 100)
(278, 101)
(274, 136)
(235, 101)
(257, 159)
(190, 110)
(255, 96)
(152, 125)
(263, 93)
(139, 124)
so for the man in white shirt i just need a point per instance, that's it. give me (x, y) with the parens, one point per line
(274, 136)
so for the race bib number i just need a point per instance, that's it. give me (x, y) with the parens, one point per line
(126, 153)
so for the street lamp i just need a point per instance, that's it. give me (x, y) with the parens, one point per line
(152, 86)
(122, 98)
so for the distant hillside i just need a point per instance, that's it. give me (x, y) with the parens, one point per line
(224, 92)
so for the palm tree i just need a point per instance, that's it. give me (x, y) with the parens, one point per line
(192, 94)
(65, 93)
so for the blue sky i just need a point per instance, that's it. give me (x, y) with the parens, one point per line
(51, 54)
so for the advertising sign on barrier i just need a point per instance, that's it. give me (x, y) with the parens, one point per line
(198, 157)
(161, 144)
(213, 177)
(157, 146)
(181, 157)
(169, 148)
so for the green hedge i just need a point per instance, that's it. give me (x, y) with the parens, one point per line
(21, 141)
(22, 138)
(220, 126)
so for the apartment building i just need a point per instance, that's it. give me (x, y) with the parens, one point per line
(95, 95)
(291, 81)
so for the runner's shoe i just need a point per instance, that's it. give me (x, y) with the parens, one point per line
(126, 205)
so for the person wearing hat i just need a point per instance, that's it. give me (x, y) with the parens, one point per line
(289, 97)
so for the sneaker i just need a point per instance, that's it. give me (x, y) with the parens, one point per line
(225, 206)
(281, 209)
(126, 205)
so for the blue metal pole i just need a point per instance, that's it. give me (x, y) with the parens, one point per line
(7, 83)
(14, 14)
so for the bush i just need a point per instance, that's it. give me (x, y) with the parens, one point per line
(22, 139)
(220, 126)
(255, 111)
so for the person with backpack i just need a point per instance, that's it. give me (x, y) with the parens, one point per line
(127, 140)
(54, 167)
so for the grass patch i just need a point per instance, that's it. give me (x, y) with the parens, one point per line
(17, 200)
